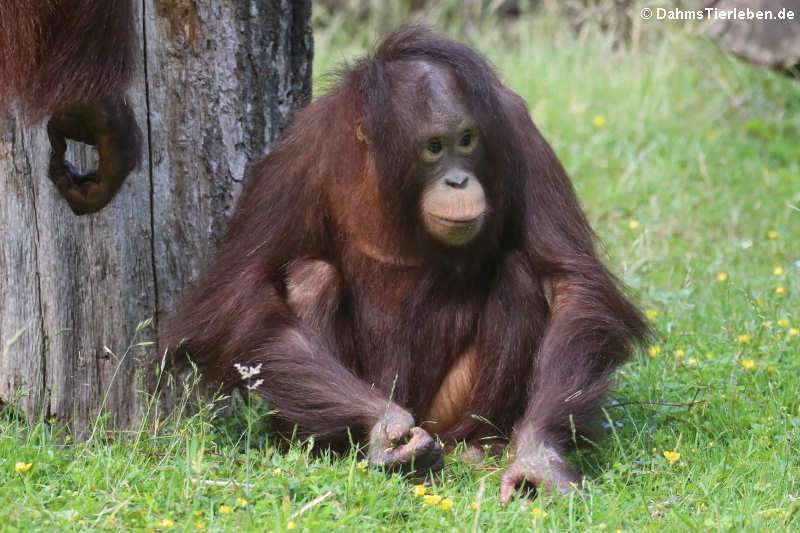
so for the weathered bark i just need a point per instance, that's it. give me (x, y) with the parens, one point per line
(218, 82)
(768, 43)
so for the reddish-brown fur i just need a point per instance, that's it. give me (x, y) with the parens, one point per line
(54, 54)
(397, 310)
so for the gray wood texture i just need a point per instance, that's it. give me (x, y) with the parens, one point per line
(219, 81)
(768, 43)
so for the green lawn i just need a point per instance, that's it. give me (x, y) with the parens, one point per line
(688, 164)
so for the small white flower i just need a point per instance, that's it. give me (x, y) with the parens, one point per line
(747, 244)
(256, 384)
(248, 372)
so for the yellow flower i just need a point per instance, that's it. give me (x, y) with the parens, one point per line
(778, 271)
(671, 456)
(447, 503)
(536, 512)
(709, 355)
(722, 276)
(21, 467)
(474, 505)
(772, 234)
(291, 525)
(225, 509)
(783, 322)
(599, 120)
(111, 519)
(747, 364)
(780, 290)
(634, 224)
(692, 361)
(432, 499)
(654, 350)
(679, 353)
(276, 472)
(200, 526)
(651, 313)
(793, 332)
(166, 523)
(363, 465)
(744, 338)
(241, 502)
(420, 490)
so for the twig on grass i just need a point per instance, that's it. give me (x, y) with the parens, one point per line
(311, 504)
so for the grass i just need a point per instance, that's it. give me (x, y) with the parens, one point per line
(686, 161)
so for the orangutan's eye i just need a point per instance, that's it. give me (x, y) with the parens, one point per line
(467, 142)
(433, 150)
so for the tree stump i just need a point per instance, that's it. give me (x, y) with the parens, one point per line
(767, 43)
(218, 82)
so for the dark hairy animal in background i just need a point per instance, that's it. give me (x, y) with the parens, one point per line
(73, 59)
(411, 260)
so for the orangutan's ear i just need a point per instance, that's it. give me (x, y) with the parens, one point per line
(360, 132)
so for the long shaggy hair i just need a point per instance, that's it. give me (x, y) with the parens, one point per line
(54, 54)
